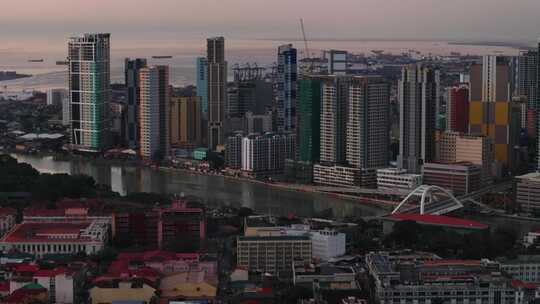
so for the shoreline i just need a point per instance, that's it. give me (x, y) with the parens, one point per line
(373, 203)
(293, 188)
(380, 205)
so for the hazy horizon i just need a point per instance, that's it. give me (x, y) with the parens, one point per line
(52, 21)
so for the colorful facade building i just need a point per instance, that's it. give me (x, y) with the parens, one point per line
(491, 110)
(458, 109)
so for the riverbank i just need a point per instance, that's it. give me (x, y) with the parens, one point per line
(214, 190)
(311, 189)
(385, 205)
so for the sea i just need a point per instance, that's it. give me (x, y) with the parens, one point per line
(46, 74)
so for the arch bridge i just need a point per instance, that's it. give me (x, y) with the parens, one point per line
(428, 199)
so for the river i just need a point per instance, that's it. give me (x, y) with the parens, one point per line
(211, 190)
(217, 191)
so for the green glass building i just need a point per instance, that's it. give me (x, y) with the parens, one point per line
(309, 104)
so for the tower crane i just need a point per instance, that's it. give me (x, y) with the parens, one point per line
(306, 48)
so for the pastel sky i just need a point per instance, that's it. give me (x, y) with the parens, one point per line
(486, 20)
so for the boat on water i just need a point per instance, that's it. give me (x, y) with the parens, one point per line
(35, 60)
(162, 57)
(59, 62)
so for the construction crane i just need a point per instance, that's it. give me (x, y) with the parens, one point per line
(306, 48)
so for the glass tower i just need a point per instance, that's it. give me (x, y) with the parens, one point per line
(89, 91)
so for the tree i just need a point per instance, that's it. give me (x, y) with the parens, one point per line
(245, 212)
(405, 234)
(216, 160)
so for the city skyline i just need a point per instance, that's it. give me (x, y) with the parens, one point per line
(369, 19)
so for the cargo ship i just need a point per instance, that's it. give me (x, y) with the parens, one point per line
(59, 62)
(162, 57)
(35, 60)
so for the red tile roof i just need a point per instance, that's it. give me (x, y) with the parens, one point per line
(22, 294)
(45, 232)
(439, 220)
(26, 268)
(4, 286)
(36, 211)
(7, 211)
(50, 272)
(526, 285)
(452, 262)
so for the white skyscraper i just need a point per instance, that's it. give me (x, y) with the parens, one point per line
(89, 91)
(154, 112)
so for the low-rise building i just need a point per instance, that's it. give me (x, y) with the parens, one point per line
(272, 254)
(461, 177)
(327, 244)
(453, 281)
(394, 178)
(329, 275)
(528, 192)
(525, 268)
(122, 291)
(180, 227)
(446, 222)
(531, 238)
(27, 294)
(58, 282)
(188, 286)
(344, 176)
(57, 237)
(7, 219)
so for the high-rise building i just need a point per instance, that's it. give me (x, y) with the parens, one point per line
(337, 62)
(491, 110)
(368, 135)
(334, 98)
(217, 93)
(266, 154)
(419, 94)
(457, 110)
(261, 123)
(233, 151)
(89, 91)
(185, 121)
(202, 83)
(131, 74)
(528, 84)
(56, 97)
(457, 147)
(537, 112)
(309, 118)
(354, 135)
(154, 112)
(287, 73)
(250, 92)
(66, 111)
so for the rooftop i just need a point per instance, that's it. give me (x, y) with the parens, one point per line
(47, 232)
(439, 220)
(274, 238)
(533, 176)
(326, 269)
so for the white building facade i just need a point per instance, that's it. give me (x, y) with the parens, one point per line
(393, 178)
